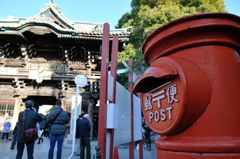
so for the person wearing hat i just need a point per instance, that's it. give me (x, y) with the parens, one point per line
(30, 121)
(57, 118)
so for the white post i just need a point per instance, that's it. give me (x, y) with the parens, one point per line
(74, 121)
(80, 81)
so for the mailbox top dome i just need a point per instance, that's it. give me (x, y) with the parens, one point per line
(191, 31)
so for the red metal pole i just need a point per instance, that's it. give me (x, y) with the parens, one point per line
(141, 141)
(114, 75)
(114, 65)
(140, 149)
(103, 91)
(130, 80)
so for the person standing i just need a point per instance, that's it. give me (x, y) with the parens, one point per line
(30, 121)
(146, 135)
(84, 129)
(6, 129)
(58, 119)
(77, 143)
(14, 141)
(40, 134)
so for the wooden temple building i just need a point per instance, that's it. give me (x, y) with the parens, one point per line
(40, 57)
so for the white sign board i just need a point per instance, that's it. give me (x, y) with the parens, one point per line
(122, 134)
(112, 113)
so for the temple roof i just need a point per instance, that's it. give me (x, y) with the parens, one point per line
(51, 20)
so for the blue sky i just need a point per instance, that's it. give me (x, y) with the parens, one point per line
(233, 6)
(99, 11)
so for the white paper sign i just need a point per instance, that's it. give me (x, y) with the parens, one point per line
(122, 134)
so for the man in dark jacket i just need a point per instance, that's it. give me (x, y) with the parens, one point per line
(83, 129)
(58, 119)
(14, 141)
(31, 119)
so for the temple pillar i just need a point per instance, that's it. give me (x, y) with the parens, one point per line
(17, 109)
(90, 113)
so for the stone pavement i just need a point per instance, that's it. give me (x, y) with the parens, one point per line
(124, 153)
(41, 151)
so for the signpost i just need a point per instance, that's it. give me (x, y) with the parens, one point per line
(80, 81)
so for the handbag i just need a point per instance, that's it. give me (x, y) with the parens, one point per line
(30, 134)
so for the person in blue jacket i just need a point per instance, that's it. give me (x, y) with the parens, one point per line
(6, 129)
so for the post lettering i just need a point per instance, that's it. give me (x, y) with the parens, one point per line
(150, 115)
(163, 116)
(169, 109)
(153, 103)
(156, 114)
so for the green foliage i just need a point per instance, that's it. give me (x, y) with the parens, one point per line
(148, 15)
(128, 52)
(125, 18)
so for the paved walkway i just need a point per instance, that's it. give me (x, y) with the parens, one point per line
(41, 151)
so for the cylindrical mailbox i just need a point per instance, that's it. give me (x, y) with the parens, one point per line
(190, 93)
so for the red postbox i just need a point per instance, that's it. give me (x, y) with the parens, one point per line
(191, 91)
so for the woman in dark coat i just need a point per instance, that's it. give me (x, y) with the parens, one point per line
(31, 119)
